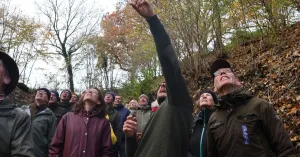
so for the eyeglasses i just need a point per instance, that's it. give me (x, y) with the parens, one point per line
(2, 64)
(224, 70)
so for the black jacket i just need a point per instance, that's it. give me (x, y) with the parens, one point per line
(114, 119)
(15, 133)
(198, 134)
(66, 105)
(58, 111)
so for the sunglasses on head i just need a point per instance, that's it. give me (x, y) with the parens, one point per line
(224, 70)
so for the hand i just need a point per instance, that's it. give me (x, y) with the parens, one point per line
(130, 126)
(143, 8)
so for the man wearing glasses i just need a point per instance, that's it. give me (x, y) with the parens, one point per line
(15, 133)
(243, 125)
(43, 123)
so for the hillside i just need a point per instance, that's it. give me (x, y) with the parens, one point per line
(270, 70)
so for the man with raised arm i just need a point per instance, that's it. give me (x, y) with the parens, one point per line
(166, 133)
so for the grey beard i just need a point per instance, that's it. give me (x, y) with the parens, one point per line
(161, 99)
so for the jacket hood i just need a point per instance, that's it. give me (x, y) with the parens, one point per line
(233, 99)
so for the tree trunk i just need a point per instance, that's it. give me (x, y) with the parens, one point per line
(219, 47)
(70, 72)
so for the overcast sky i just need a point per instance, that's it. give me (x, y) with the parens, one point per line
(37, 78)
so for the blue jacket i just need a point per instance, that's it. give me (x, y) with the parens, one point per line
(123, 112)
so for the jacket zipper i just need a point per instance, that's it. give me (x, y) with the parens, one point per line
(203, 130)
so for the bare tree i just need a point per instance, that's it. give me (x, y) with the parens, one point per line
(70, 23)
(19, 37)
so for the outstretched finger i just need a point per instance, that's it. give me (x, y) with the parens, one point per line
(138, 3)
(141, 2)
(134, 7)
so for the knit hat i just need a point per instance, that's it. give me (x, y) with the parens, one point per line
(70, 93)
(112, 94)
(144, 95)
(218, 64)
(56, 94)
(47, 91)
(211, 93)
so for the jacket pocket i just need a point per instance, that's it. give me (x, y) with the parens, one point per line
(249, 124)
(217, 128)
(249, 137)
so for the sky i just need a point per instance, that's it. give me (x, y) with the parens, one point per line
(41, 68)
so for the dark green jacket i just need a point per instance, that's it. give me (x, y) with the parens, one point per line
(58, 111)
(143, 115)
(167, 132)
(246, 126)
(15, 134)
(66, 105)
(43, 129)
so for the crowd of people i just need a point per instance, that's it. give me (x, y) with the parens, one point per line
(231, 121)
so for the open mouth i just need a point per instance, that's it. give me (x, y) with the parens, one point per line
(224, 78)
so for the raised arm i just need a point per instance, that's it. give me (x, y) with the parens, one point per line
(177, 91)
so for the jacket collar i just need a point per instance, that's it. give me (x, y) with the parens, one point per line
(40, 108)
(65, 104)
(119, 107)
(53, 106)
(6, 104)
(88, 113)
(144, 107)
(233, 99)
(43, 111)
(204, 113)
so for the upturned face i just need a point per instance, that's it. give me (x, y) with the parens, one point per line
(108, 99)
(4, 77)
(162, 91)
(53, 99)
(73, 99)
(41, 97)
(91, 95)
(225, 77)
(206, 100)
(65, 96)
(143, 100)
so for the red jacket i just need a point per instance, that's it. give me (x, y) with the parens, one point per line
(82, 135)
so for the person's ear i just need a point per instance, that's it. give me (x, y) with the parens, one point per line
(6, 79)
